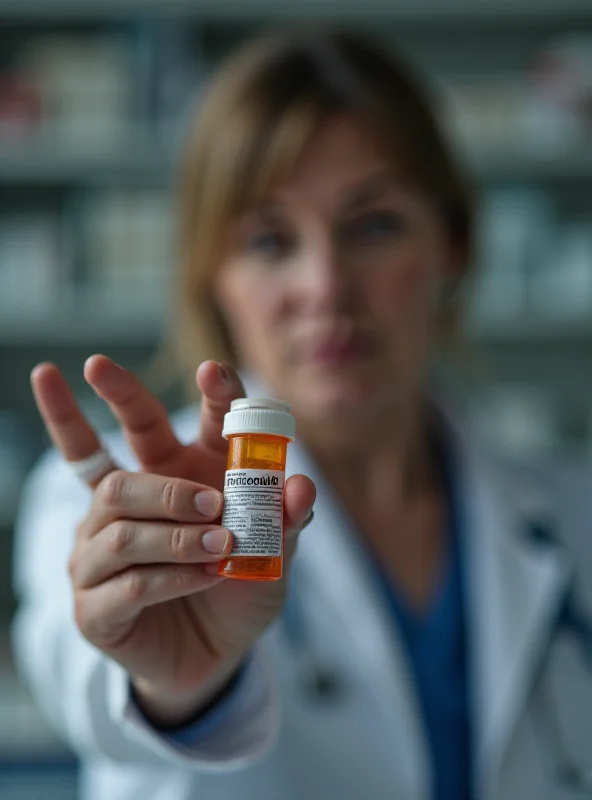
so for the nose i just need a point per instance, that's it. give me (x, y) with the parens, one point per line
(325, 281)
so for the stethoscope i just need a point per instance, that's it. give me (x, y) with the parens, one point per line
(324, 685)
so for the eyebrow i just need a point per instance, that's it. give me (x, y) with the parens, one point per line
(266, 208)
(370, 189)
(356, 196)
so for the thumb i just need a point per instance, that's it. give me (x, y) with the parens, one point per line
(219, 384)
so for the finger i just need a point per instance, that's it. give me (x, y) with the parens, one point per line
(127, 542)
(299, 497)
(219, 385)
(135, 495)
(143, 417)
(101, 612)
(69, 430)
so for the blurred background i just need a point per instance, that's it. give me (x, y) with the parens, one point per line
(94, 95)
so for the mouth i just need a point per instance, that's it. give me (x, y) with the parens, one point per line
(339, 350)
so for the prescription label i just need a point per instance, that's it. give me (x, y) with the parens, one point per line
(253, 511)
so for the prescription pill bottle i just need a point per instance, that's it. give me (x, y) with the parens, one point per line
(258, 432)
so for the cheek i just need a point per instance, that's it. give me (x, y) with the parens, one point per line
(250, 309)
(401, 289)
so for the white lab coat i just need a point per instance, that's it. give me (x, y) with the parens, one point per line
(280, 743)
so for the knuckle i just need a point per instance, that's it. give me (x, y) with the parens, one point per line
(169, 496)
(180, 578)
(180, 543)
(120, 535)
(113, 488)
(135, 586)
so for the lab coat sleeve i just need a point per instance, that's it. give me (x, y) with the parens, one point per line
(85, 694)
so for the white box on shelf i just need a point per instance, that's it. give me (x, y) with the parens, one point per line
(35, 261)
(85, 84)
(515, 229)
(128, 243)
(484, 112)
(518, 421)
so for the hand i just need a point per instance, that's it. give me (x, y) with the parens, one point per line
(144, 565)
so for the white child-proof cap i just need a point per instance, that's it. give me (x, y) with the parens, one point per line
(259, 415)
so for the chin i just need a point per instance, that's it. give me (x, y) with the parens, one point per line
(339, 401)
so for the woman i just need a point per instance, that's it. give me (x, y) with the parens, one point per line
(324, 228)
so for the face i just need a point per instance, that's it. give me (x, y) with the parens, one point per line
(328, 287)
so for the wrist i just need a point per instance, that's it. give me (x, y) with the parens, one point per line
(167, 709)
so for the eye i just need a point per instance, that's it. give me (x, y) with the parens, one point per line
(374, 226)
(269, 243)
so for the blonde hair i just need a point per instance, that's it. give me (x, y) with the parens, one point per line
(256, 117)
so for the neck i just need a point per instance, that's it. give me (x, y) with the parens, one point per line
(392, 458)
(386, 476)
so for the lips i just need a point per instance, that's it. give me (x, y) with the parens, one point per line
(341, 350)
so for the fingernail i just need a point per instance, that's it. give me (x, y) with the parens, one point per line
(212, 569)
(208, 503)
(112, 378)
(215, 541)
(308, 519)
(224, 373)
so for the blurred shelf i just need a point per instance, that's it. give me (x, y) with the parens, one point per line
(154, 167)
(42, 166)
(532, 332)
(82, 323)
(412, 11)
(570, 166)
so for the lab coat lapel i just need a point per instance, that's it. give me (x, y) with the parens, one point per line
(514, 590)
(343, 579)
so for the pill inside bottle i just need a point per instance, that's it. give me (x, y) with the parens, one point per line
(258, 432)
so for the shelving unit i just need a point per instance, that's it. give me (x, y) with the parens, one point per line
(81, 322)
(446, 38)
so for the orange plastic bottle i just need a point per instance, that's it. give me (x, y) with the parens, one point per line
(258, 432)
